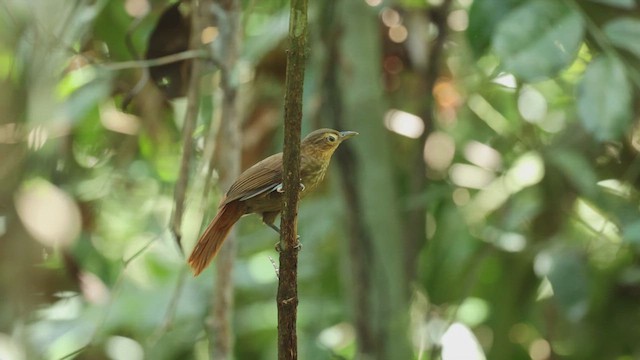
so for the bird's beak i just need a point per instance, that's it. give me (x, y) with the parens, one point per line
(344, 135)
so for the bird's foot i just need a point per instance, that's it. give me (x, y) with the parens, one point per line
(280, 188)
(298, 245)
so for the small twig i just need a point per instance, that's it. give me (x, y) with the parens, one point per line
(114, 291)
(171, 309)
(164, 60)
(144, 78)
(188, 129)
(137, 253)
(275, 266)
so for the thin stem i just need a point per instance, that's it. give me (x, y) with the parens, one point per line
(191, 115)
(287, 299)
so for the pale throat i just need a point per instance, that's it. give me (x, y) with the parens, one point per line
(315, 169)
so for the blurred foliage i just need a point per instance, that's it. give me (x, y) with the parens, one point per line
(532, 240)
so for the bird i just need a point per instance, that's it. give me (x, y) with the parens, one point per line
(259, 190)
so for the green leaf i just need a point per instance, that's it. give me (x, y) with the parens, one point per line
(85, 98)
(604, 99)
(538, 39)
(624, 33)
(576, 169)
(484, 16)
(625, 4)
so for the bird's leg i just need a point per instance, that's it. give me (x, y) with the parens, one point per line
(269, 219)
(274, 227)
(277, 246)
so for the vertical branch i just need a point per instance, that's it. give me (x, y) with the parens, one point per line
(227, 17)
(188, 128)
(415, 234)
(287, 299)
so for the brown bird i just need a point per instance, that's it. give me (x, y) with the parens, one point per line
(259, 190)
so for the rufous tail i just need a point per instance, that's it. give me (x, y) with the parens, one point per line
(211, 240)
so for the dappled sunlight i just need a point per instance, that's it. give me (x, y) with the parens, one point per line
(37, 137)
(10, 348)
(337, 337)
(597, 222)
(209, 34)
(470, 176)
(526, 171)
(137, 8)
(439, 150)
(93, 289)
(120, 347)
(118, 121)
(540, 349)
(49, 214)
(459, 343)
(507, 80)
(483, 155)
(532, 104)
(487, 113)
(458, 20)
(404, 123)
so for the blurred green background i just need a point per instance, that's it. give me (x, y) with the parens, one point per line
(488, 209)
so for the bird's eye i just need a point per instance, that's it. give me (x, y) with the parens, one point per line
(331, 138)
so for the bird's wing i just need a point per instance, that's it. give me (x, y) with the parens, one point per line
(264, 176)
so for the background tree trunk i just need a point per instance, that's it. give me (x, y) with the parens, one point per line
(380, 287)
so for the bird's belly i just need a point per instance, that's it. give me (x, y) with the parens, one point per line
(272, 201)
(269, 202)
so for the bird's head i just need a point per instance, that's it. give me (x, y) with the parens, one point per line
(326, 140)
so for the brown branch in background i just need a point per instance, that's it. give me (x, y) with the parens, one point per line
(169, 59)
(226, 15)
(188, 128)
(287, 299)
(416, 235)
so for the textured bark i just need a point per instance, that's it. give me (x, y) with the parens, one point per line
(287, 299)
(226, 14)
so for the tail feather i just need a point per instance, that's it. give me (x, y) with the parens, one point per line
(211, 240)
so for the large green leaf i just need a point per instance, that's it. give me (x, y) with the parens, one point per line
(538, 39)
(624, 33)
(484, 16)
(575, 167)
(604, 99)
